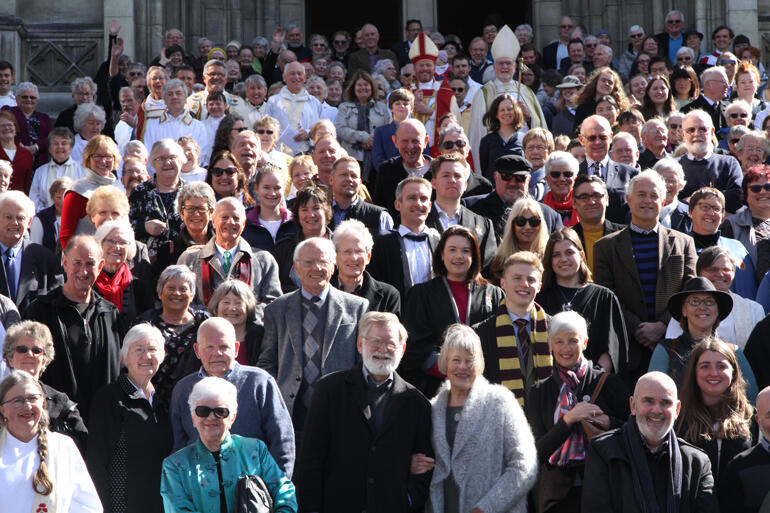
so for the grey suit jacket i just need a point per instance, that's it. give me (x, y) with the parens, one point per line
(265, 282)
(282, 345)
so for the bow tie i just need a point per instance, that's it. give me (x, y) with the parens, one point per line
(418, 238)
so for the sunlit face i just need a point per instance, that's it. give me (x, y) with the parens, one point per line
(566, 260)
(655, 407)
(713, 374)
(590, 200)
(29, 361)
(462, 369)
(381, 349)
(758, 201)
(673, 184)
(314, 268)
(625, 151)
(294, 76)
(658, 92)
(645, 203)
(91, 128)
(457, 257)
(536, 151)
(233, 308)
(225, 184)
(638, 87)
(580, 72)
(703, 316)
(60, 148)
(738, 116)
(215, 108)
(675, 132)
(697, 134)
(567, 348)
(134, 173)
(81, 265)
(215, 78)
(143, 360)
(212, 430)
(352, 257)
(228, 224)
(560, 179)
(520, 282)
(401, 110)
(707, 215)
(410, 142)
(102, 161)
(312, 217)
(22, 417)
(167, 165)
(607, 111)
(315, 88)
(605, 83)
(504, 68)
(450, 181)
(14, 222)
(595, 137)
(721, 273)
(414, 204)
(722, 40)
(176, 295)
(301, 176)
(255, 93)
(526, 234)
(754, 151)
(115, 249)
(346, 180)
(270, 191)
(156, 79)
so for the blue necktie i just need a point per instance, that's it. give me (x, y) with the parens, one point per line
(10, 273)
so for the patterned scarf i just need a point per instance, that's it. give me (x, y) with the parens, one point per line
(573, 448)
(242, 272)
(511, 376)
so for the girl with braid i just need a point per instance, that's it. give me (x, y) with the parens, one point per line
(40, 471)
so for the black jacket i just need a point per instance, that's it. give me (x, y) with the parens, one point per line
(480, 226)
(381, 296)
(757, 352)
(555, 482)
(744, 481)
(716, 111)
(388, 260)
(64, 417)
(647, 159)
(128, 442)
(608, 472)
(390, 173)
(40, 273)
(349, 467)
(616, 189)
(366, 213)
(102, 347)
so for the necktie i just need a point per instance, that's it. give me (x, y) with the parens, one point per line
(313, 337)
(417, 238)
(523, 337)
(10, 273)
(598, 169)
(228, 259)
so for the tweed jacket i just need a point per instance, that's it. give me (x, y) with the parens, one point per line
(493, 460)
(282, 346)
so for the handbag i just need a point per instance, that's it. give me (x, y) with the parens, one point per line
(589, 428)
(252, 495)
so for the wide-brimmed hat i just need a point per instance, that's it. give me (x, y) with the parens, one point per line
(700, 285)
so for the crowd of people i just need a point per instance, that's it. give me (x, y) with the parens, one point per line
(344, 278)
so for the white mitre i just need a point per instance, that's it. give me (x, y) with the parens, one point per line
(506, 44)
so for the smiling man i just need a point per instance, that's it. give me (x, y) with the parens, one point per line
(214, 78)
(295, 108)
(229, 256)
(6, 81)
(645, 463)
(261, 411)
(644, 264)
(340, 452)
(310, 332)
(370, 52)
(347, 204)
(94, 332)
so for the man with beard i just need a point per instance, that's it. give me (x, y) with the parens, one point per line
(704, 168)
(345, 463)
(644, 466)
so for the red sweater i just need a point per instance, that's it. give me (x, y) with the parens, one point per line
(73, 210)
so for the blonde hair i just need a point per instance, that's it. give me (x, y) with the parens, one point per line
(509, 245)
(110, 195)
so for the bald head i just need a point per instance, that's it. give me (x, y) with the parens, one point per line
(410, 140)
(218, 327)
(595, 137)
(763, 412)
(655, 406)
(409, 126)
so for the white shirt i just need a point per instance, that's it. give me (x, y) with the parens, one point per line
(418, 256)
(446, 221)
(123, 134)
(36, 230)
(211, 125)
(78, 148)
(9, 100)
(17, 466)
(168, 126)
(603, 164)
(46, 174)
(196, 175)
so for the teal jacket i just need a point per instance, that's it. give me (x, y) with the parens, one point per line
(189, 482)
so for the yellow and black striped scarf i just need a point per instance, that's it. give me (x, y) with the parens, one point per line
(508, 351)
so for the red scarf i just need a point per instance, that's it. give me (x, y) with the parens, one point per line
(112, 287)
(240, 272)
(563, 208)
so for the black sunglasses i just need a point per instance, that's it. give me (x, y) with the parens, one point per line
(559, 174)
(507, 178)
(448, 145)
(533, 221)
(736, 115)
(24, 349)
(220, 412)
(756, 189)
(262, 131)
(219, 171)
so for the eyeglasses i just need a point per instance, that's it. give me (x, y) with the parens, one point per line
(378, 342)
(756, 188)
(730, 62)
(448, 145)
(507, 177)
(219, 171)
(340, 42)
(591, 45)
(37, 351)
(163, 160)
(673, 22)
(458, 89)
(705, 208)
(117, 243)
(19, 402)
(684, 58)
(594, 138)
(566, 26)
(696, 301)
(490, 31)
(103, 157)
(533, 221)
(220, 412)
(674, 126)
(196, 210)
(559, 174)
(238, 129)
(28, 97)
(699, 129)
(83, 94)
(736, 115)
(596, 196)
(636, 36)
(263, 131)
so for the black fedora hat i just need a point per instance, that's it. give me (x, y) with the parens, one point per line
(695, 286)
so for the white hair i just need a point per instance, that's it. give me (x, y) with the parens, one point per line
(669, 164)
(176, 271)
(27, 86)
(459, 337)
(674, 11)
(567, 322)
(647, 174)
(325, 245)
(170, 145)
(562, 158)
(686, 49)
(88, 109)
(18, 197)
(174, 83)
(124, 228)
(218, 389)
(709, 73)
(140, 332)
(233, 202)
(700, 114)
(353, 228)
(636, 28)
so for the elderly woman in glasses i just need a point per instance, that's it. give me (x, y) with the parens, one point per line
(674, 214)
(203, 475)
(561, 169)
(28, 347)
(153, 203)
(130, 429)
(42, 470)
(752, 150)
(34, 126)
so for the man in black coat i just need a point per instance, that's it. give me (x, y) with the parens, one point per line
(596, 136)
(29, 270)
(590, 199)
(86, 328)
(401, 49)
(354, 243)
(672, 35)
(362, 429)
(643, 466)
(715, 86)
(512, 176)
(554, 52)
(654, 139)
(347, 204)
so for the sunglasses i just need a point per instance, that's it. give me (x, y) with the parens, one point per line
(219, 171)
(636, 36)
(699, 129)
(730, 62)
(673, 22)
(37, 351)
(756, 189)
(239, 129)
(559, 174)
(26, 97)
(736, 115)
(594, 138)
(507, 178)
(566, 26)
(448, 145)
(675, 126)
(262, 131)
(533, 221)
(220, 412)
(454, 89)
